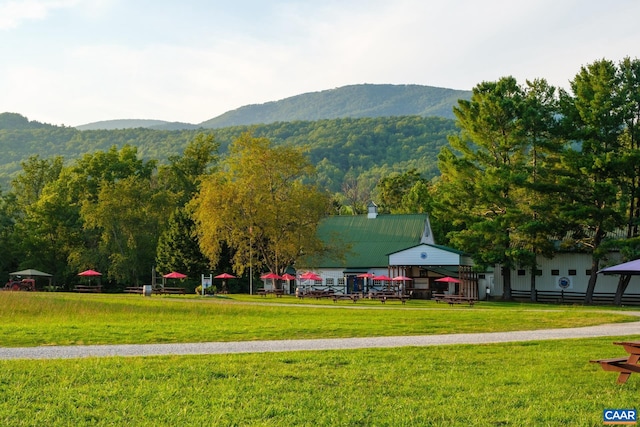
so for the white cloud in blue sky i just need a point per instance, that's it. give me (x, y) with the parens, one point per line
(77, 61)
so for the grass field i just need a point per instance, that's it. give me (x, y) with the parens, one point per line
(547, 383)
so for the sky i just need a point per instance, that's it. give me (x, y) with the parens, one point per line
(72, 62)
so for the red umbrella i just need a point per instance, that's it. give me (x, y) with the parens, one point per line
(273, 276)
(89, 273)
(401, 279)
(224, 277)
(175, 275)
(382, 277)
(366, 275)
(288, 276)
(310, 275)
(448, 279)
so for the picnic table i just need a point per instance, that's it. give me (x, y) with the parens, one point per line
(352, 297)
(264, 292)
(454, 299)
(385, 296)
(88, 288)
(317, 294)
(166, 290)
(624, 365)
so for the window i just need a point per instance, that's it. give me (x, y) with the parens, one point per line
(587, 272)
(572, 272)
(555, 272)
(341, 281)
(521, 272)
(329, 281)
(538, 272)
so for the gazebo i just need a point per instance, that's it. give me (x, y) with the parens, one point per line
(30, 273)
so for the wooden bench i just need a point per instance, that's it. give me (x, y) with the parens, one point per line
(87, 288)
(133, 290)
(166, 290)
(624, 365)
(458, 299)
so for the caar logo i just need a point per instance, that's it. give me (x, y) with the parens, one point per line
(619, 416)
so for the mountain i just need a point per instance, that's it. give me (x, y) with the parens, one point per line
(16, 121)
(355, 101)
(134, 124)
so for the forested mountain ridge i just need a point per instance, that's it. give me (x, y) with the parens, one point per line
(134, 123)
(355, 101)
(363, 149)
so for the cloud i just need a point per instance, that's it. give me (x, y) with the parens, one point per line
(14, 13)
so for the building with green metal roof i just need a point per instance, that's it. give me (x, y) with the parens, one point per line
(368, 242)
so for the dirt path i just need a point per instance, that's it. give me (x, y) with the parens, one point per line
(71, 352)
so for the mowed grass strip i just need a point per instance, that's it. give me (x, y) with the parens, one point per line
(36, 319)
(546, 383)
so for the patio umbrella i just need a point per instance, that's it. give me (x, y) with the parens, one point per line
(382, 278)
(310, 275)
(89, 273)
(448, 280)
(224, 277)
(175, 275)
(288, 277)
(401, 279)
(272, 276)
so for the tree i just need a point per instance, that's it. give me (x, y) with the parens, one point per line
(542, 190)
(36, 173)
(392, 191)
(480, 183)
(258, 203)
(178, 248)
(184, 173)
(129, 216)
(595, 119)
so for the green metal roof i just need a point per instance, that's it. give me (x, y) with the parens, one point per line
(371, 239)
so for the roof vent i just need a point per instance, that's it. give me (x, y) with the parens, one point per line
(372, 210)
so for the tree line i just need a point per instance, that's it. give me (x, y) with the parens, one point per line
(533, 165)
(527, 166)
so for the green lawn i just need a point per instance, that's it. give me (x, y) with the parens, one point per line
(547, 383)
(28, 319)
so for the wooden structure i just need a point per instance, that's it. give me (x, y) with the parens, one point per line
(624, 365)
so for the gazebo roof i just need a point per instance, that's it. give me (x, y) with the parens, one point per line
(30, 272)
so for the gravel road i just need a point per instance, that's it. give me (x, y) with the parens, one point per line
(71, 352)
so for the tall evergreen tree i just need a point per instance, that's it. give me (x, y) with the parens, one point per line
(480, 180)
(596, 122)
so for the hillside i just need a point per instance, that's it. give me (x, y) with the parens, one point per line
(356, 101)
(364, 148)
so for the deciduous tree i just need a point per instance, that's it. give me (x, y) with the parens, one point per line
(259, 203)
